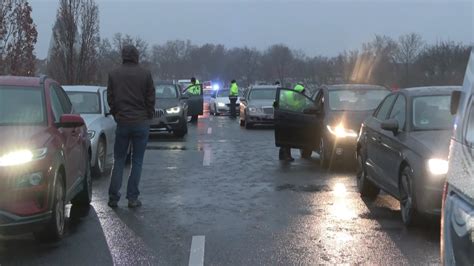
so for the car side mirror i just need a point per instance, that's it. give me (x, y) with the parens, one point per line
(70, 121)
(455, 100)
(276, 105)
(390, 125)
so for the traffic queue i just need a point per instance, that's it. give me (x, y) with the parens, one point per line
(55, 138)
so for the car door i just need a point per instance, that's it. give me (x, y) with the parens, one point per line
(392, 145)
(373, 139)
(295, 126)
(195, 103)
(71, 138)
(109, 127)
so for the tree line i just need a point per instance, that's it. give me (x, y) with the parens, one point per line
(78, 55)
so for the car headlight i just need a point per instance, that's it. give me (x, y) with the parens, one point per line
(29, 180)
(90, 134)
(255, 110)
(221, 104)
(438, 166)
(20, 157)
(173, 110)
(341, 132)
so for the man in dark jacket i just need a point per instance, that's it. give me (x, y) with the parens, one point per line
(131, 97)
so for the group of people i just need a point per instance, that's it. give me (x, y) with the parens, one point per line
(131, 97)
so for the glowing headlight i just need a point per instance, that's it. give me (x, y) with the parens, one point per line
(173, 110)
(90, 134)
(340, 132)
(221, 104)
(215, 87)
(21, 157)
(438, 166)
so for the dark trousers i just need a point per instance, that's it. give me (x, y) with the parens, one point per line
(137, 136)
(232, 107)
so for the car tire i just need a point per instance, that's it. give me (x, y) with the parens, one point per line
(408, 210)
(54, 228)
(324, 157)
(99, 168)
(367, 188)
(84, 197)
(306, 153)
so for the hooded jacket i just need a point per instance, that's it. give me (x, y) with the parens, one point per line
(130, 90)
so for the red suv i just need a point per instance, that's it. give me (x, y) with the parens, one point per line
(44, 157)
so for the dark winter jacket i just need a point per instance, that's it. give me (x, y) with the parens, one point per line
(130, 90)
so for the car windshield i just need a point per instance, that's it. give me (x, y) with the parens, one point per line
(432, 113)
(262, 94)
(166, 92)
(355, 100)
(21, 105)
(85, 102)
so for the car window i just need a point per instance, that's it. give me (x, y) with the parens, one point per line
(432, 112)
(85, 102)
(355, 100)
(470, 126)
(384, 107)
(166, 91)
(63, 99)
(21, 105)
(262, 94)
(399, 111)
(56, 105)
(294, 101)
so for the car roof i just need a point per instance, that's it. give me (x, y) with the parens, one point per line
(264, 87)
(20, 81)
(355, 87)
(429, 90)
(83, 88)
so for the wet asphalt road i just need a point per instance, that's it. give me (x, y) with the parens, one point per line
(225, 183)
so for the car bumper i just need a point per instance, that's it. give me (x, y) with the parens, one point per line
(342, 149)
(167, 123)
(12, 224)
(265, 119)
(429, 193)
(226, 109)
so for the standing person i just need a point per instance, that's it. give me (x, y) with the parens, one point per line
(292, 103)
(131, 97)
(194, 90)
(233, 95)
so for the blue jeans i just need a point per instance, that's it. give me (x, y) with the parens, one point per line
(137, 136)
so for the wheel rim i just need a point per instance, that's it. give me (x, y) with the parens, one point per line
(406, 201)
(101, 156)
(59, 209)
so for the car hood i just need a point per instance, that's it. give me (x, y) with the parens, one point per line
(261, 103)
(350, 120)
(435, 142)
(23, 137)
(166, 103)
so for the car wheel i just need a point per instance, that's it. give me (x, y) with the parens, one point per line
(99, 169)
(54, 229)
(367, 188)
(324, 158)
(407, 197)
(84, 197)
(306, 153)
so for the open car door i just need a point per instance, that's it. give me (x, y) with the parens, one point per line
(296, 120)
(195, 102)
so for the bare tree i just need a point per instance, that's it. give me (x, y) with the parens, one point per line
(277, 61)
(409, 47)
(89, 34)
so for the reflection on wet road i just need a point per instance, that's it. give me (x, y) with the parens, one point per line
(220, 196)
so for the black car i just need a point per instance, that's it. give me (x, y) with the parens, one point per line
(403, 149)
(457, 219)
(328, 122)
(171, 110)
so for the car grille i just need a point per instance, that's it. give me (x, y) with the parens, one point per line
(268, 110)
(158, 113)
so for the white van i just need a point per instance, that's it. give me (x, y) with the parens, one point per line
(457, 222)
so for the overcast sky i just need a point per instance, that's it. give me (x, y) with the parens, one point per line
(324, 27)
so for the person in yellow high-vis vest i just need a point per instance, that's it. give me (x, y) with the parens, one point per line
(233, 95)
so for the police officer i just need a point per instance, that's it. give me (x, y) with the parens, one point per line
(292, 103)
(194, 90)
(233, 95)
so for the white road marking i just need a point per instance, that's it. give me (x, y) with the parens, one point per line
(206, 161)
(209, 131)
(196, 257)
